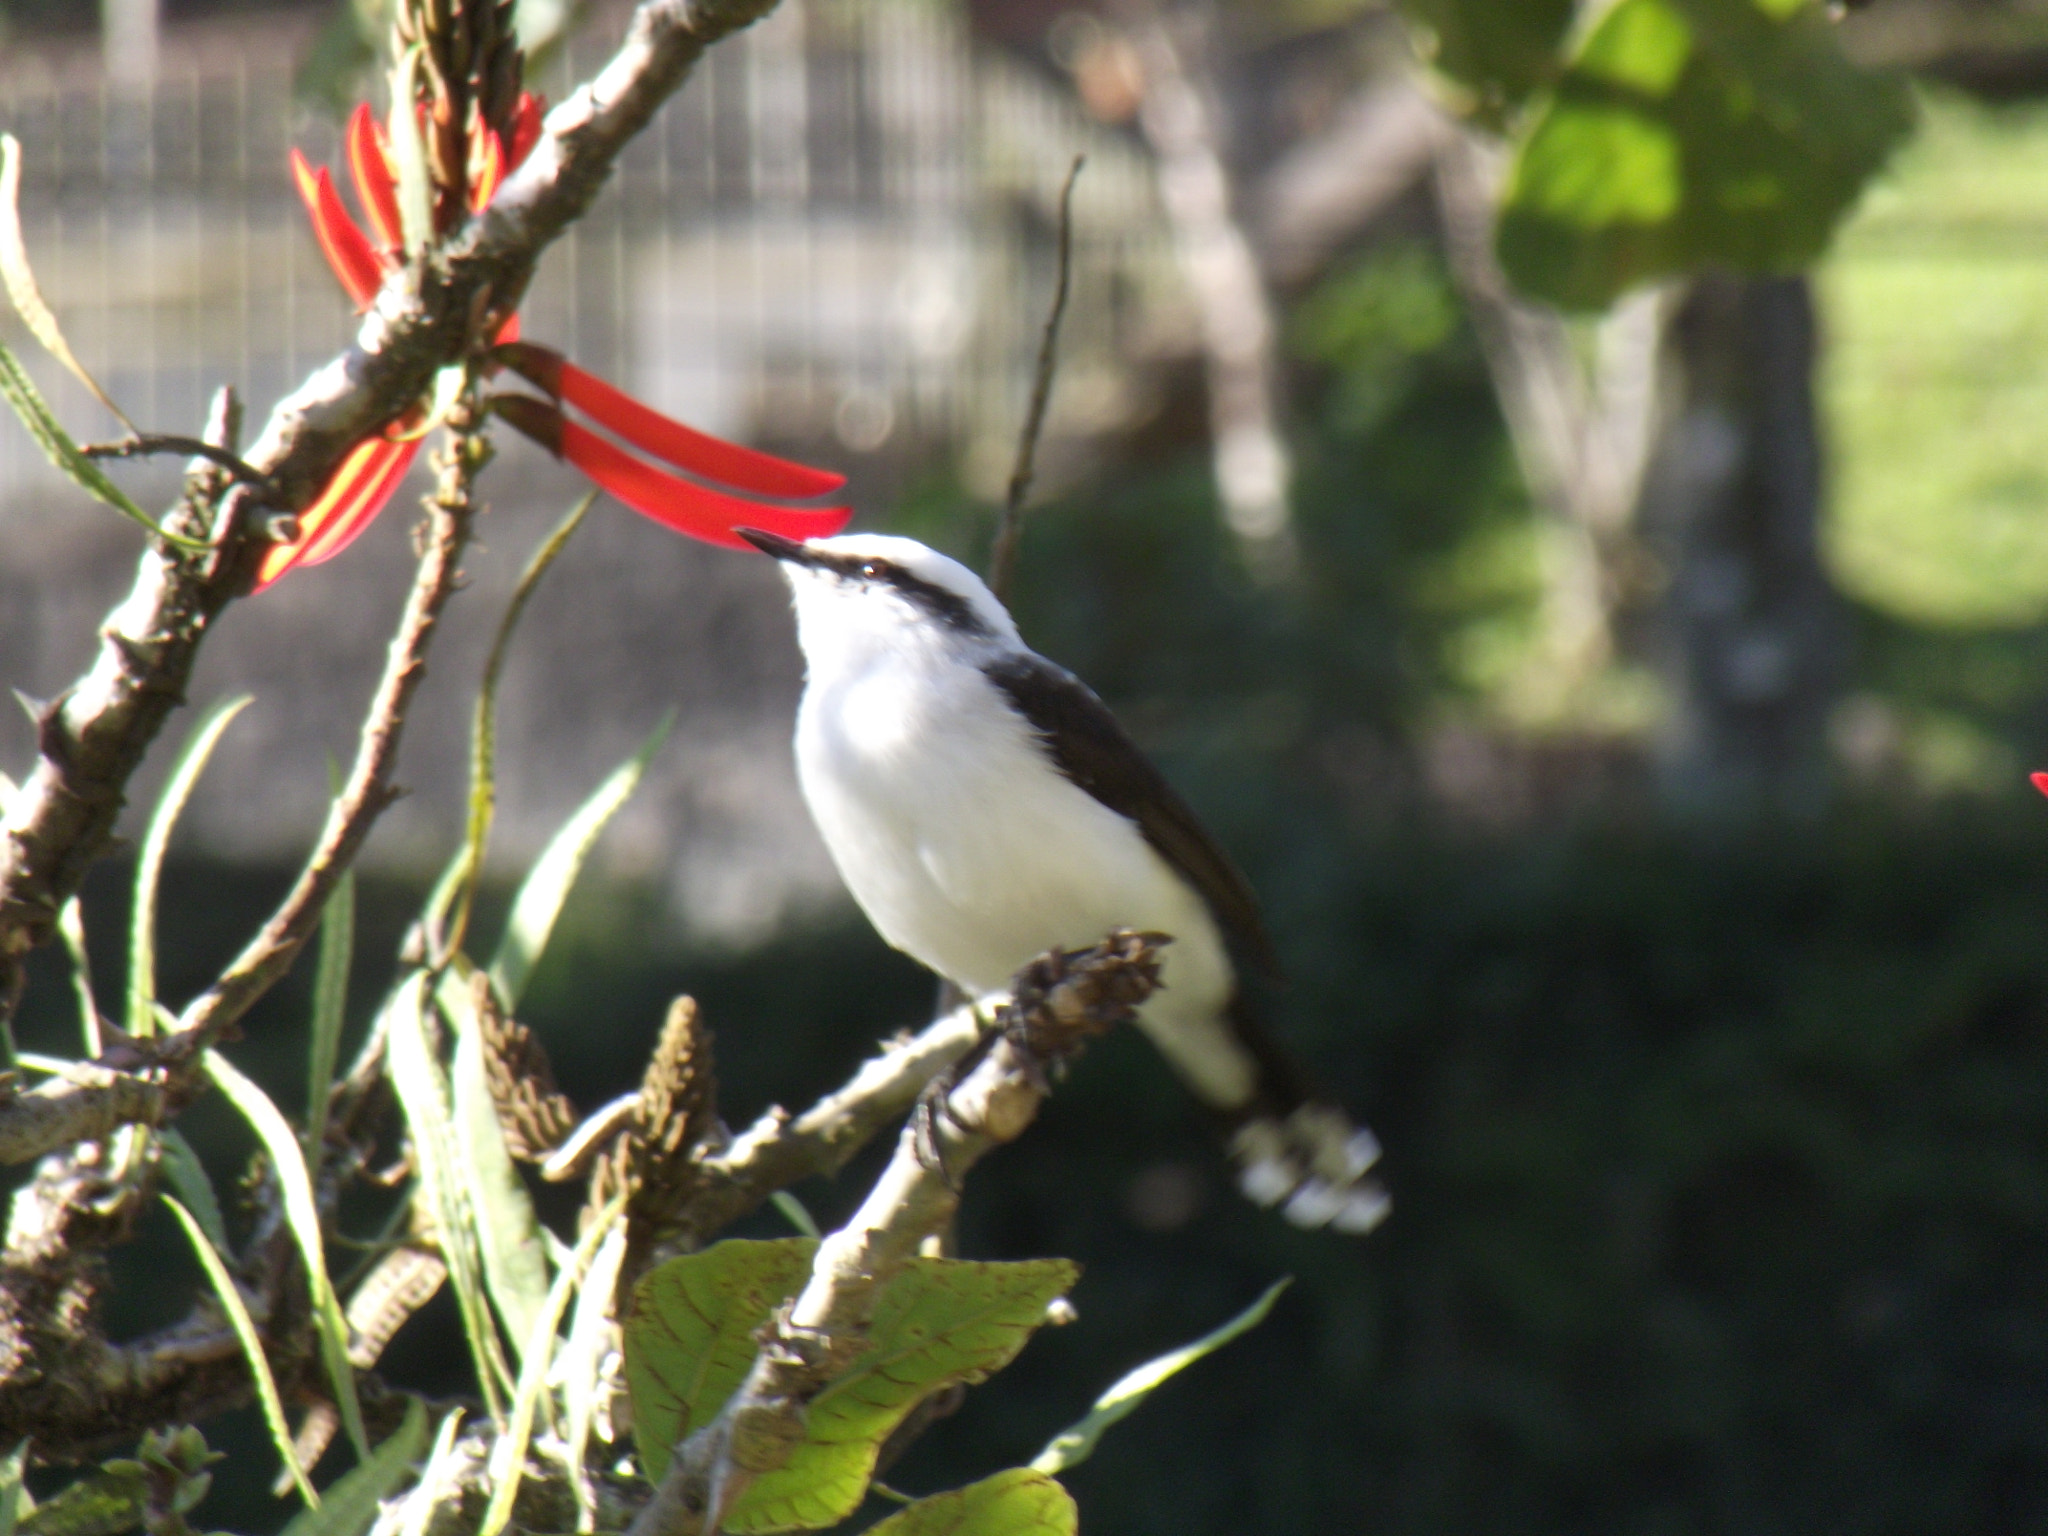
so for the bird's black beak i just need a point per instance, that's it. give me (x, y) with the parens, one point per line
(790, 550)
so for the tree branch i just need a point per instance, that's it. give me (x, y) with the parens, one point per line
(1061, 1001)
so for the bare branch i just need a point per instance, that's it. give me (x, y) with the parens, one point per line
(776, 1152)
(148, 444)
(1061, 1002)
(1003, 559)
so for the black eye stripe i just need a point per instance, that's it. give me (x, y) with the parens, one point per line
(948, 607)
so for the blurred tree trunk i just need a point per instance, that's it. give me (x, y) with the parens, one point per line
(1748, 627)
(1179, 118)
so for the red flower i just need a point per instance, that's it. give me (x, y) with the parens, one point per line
(365, 479)
(2039, 781)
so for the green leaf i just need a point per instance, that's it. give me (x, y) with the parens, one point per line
(1076, 1443)
(20, 280)
(508, 1233)
(794, 1213)
(409, 156)
(302, 1215)
(149, 859)
(690, 1342)
(105, 1503)
(1689, 133)
(352, 1502)
(936, 1322)
(1498, 50)
(483, 738)
(252, 1350)
(330, 1008)
(546, 886)
(14, 1499)
(423, 1095)
(1019, 1502)
(181, 1165)
(582, 1360)
(689, 1334)
(22, 396)
(71, 929)
(508, 1456)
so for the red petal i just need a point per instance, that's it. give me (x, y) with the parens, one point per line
(746, 469)
(376, 187)
(350, 501)
(688, 508)
(526, 119)
(489, 172)
(509, 332)
(2040, 781)
(347, 248)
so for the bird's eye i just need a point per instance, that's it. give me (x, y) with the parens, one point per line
(873, 569)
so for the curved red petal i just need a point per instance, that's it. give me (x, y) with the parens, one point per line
(350, 501)
(376, 187)
(342, 240)
(526, 121)
(509, 331)
(489, 172)
(686, 507)
(371, 496)
(2039, 781)
(745, 469)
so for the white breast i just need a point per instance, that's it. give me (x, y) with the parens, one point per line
(969, 851)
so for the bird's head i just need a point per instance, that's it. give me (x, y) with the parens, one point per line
(862, 590)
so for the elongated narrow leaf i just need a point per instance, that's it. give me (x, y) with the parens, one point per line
(508, 1456)
(508, 1233)
(409, 156)
(20, 280)
(71, 929)
(330, 1008)
(302, 1215)
(351, 1504)
(423, 1094)
(425, 1500)
(149, 859)
(483, 736)
(546, 886)
(188, 1178)
(252, 1346)
(1019, 1502)
(1076, 1443)
(794, 1213)
(580, 1364)
(26, 401)
(14, 1499)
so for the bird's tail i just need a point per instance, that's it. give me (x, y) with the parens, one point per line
(1292, 1146)
(1312, 1162)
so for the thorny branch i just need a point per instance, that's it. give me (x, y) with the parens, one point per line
(437, 310)
(58, 1375)
(1061, 1001)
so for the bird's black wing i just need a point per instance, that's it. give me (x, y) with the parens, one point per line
(1089, 747)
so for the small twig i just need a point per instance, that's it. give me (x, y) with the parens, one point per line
(1061, 1002)
(145, 444)
(1003, 560)
(369, 788)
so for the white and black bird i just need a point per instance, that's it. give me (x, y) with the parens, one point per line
(983, 806)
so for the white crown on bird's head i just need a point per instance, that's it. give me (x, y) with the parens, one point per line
(913, 578)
